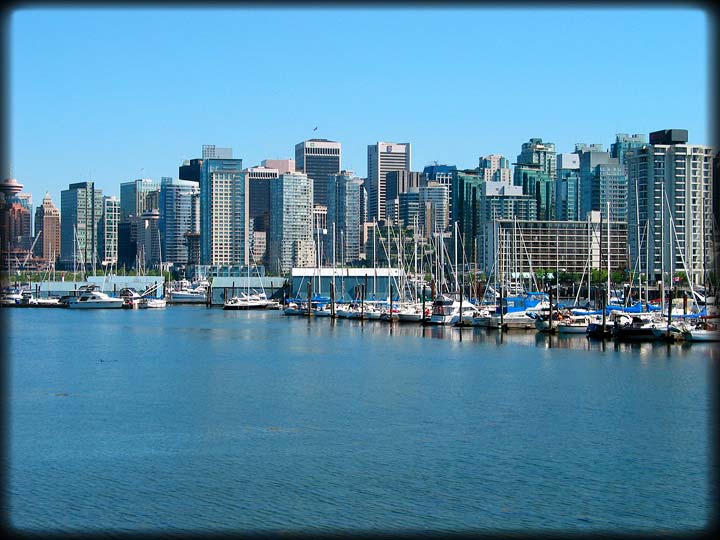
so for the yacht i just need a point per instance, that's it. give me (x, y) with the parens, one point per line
(152, 303)
(92, 297)
(187, 294)
(247, 301)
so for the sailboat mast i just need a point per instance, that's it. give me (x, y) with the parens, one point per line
(608, 253)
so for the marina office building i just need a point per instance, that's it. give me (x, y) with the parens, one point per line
(521, 247)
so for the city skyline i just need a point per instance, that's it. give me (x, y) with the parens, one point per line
(128, 107)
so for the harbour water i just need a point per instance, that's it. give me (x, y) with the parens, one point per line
(191, 419)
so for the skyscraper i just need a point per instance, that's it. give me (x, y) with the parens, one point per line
(224, 219)
(258, 179)
(81, 207)
(567, 188)
(624, 142)
(536, 152)
(383, 157)
(318, 159)
(343, 217)
(108, 231)
(290, 240)
(495, 168)
(602, 181)
(176, 198)
(671, 207)
(133, 197)
(47, 224)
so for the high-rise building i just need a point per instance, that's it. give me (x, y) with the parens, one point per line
(210, 151)
(190, 170)
(81, 207)
(624, 142)
(282, 165)
(318, 159)
(399, 182)
(495, 168)
(133, 197)
(433, 207)
(108, 232)
(176, 199)
(47, 225)
(536, 152)
(343, 217)
(383, 157)
(148, 239)
(536, 183)
(290, 240)
(567, 188)
(224, 225)
(670, 225)
(602, 181)
(258, 179)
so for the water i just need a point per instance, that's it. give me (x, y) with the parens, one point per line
(195, 420)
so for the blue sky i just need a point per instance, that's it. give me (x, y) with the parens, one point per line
(117, 94)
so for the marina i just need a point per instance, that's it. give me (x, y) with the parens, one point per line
(260, 421)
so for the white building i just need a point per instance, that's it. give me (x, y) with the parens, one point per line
(670, 195)
(383, 157)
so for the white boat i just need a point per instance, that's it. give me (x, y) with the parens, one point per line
(185, 293)
(703, 331)
(11, 296)
(445, 310)
(152, 303)
(575, 324)
(247, 301)
(412, 312)
(131, 298)
(91, 297)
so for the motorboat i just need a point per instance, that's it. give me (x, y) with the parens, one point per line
(92, 297)
(152, 303)
(131, 298)
(189, 294)
(247, 301)
(704, 330)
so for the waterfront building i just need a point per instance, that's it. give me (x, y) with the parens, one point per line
(190, 170)
(133, 197)
(258, 180)
(176, 202)
(290, 241)
(343, 217)
(467, 194)
(409, 207)
(383, 157)
(602, 181)
(443, 175)
(536, 183)
(282, 165)
(47, 225)
(536, 152)
(567, 187)
(318, 159)
(433, 212)
(148, 240)
(522, 247)
(495, 168)
(127, 244)
(81, 207)
(259, 246)
(224, 217)
(624, 142)
(671, 225)
(19, 225)
(108, 232)
(210, 151)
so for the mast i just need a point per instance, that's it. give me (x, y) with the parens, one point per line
(608, 253)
